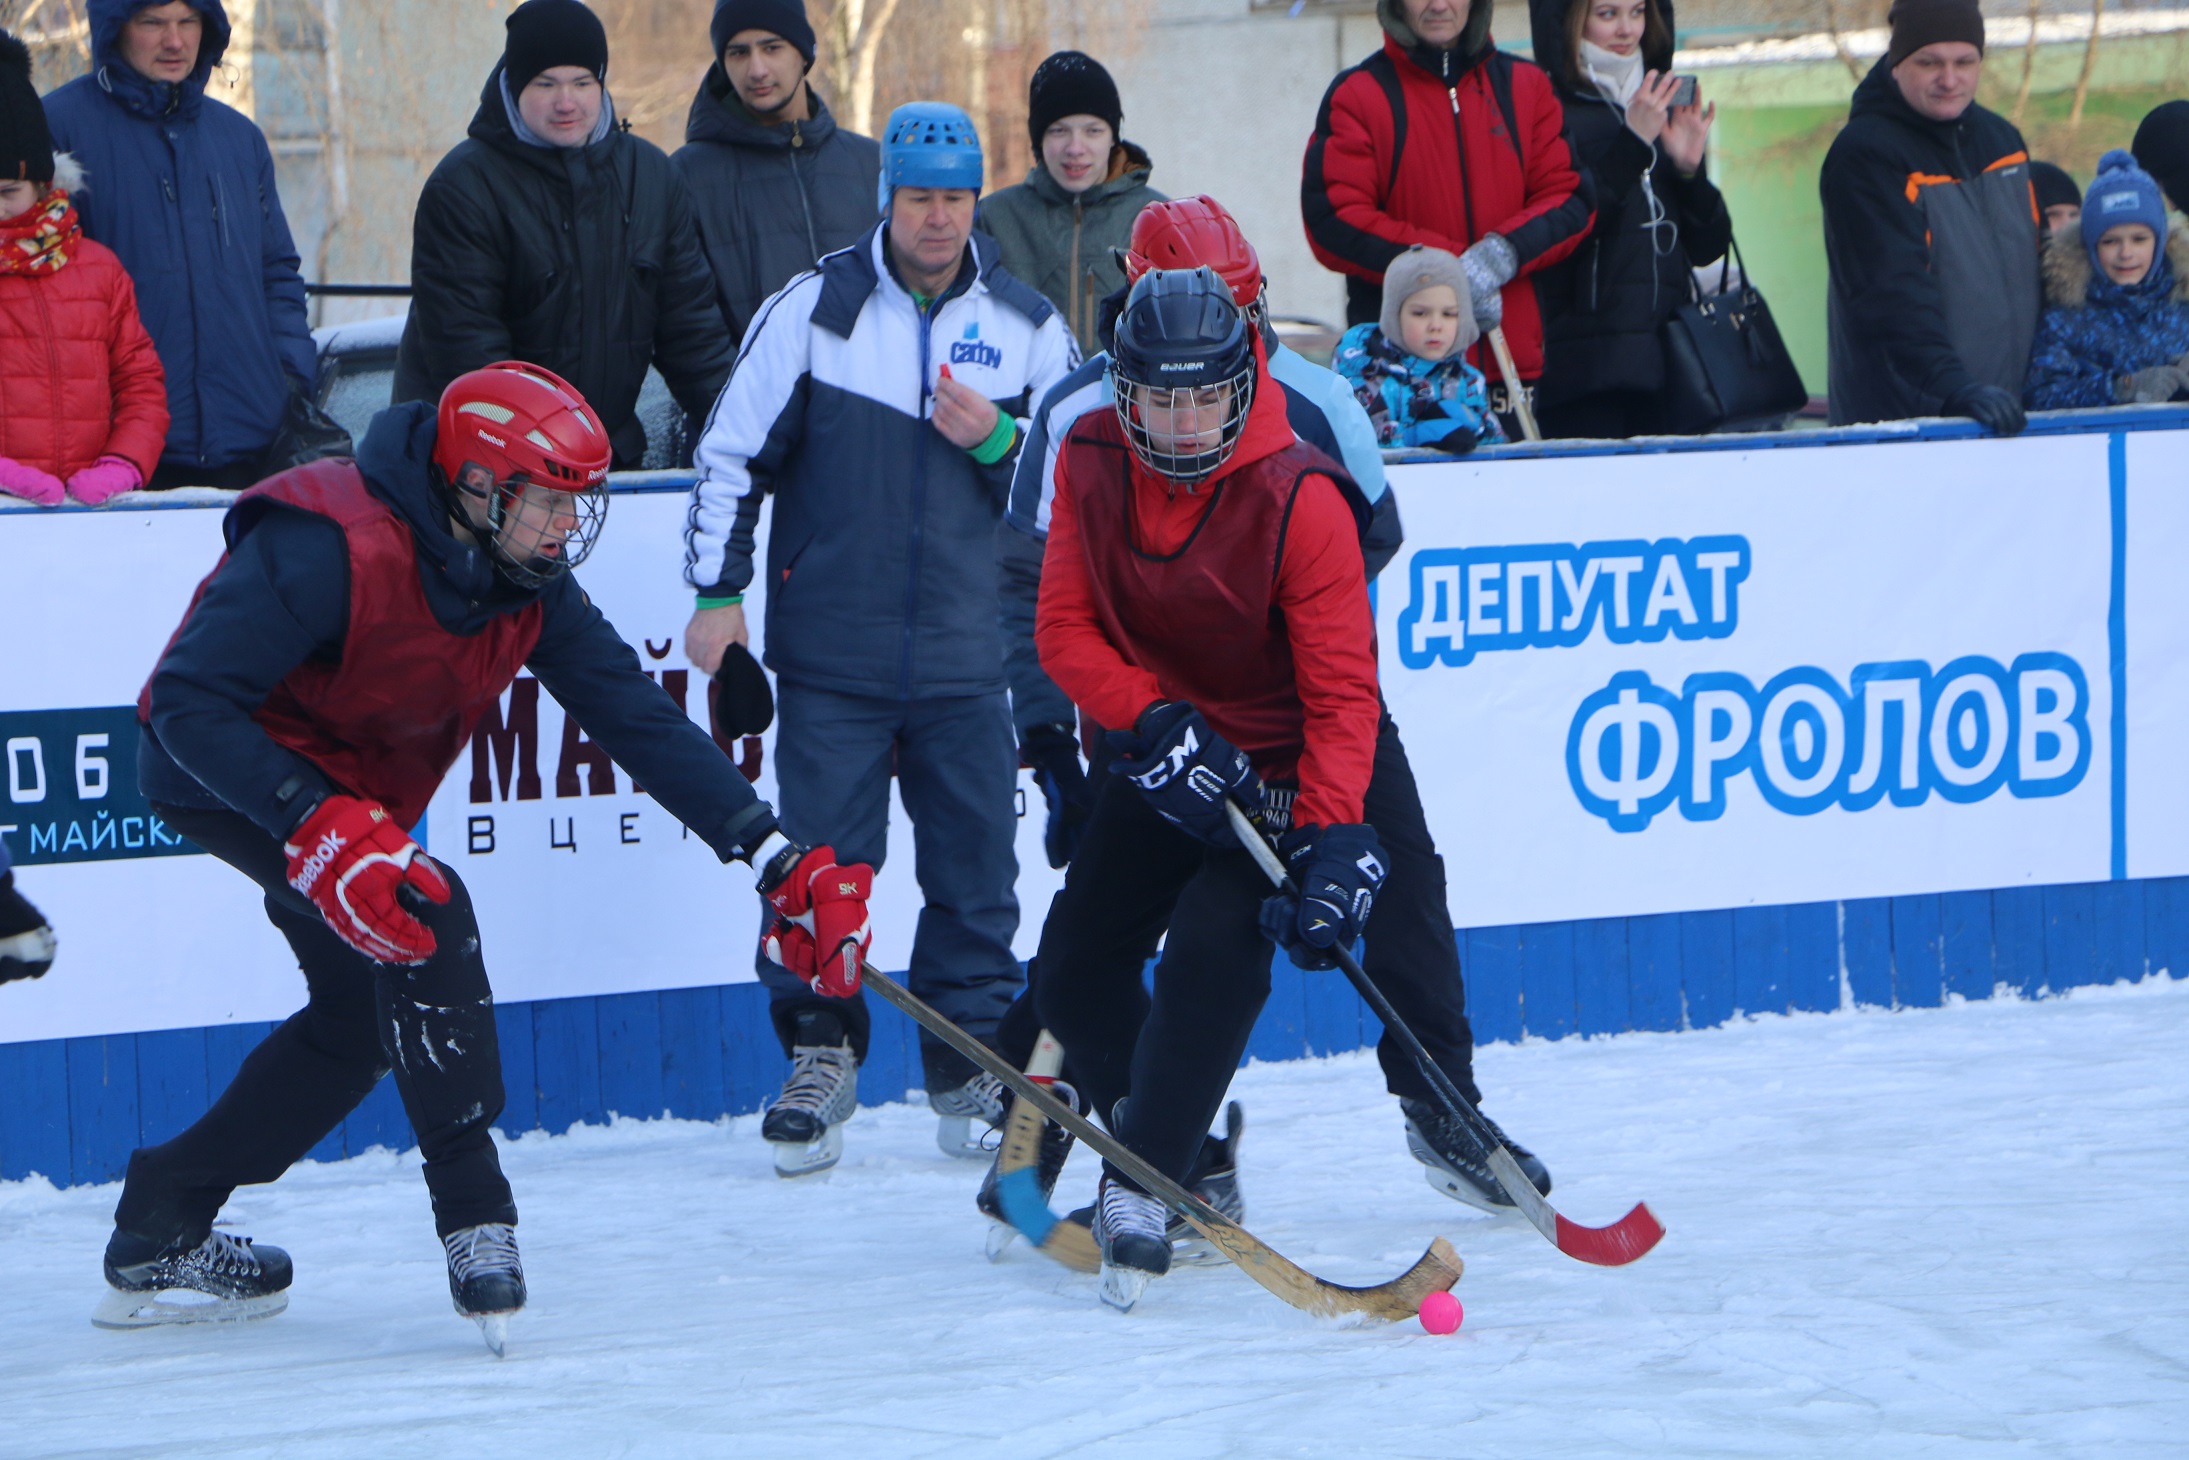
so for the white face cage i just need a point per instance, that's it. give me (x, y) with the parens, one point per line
(1184, 433)
(538, 532)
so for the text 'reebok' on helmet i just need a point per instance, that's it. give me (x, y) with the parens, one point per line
(521, 442)
(1182, 370)
(1188, 233)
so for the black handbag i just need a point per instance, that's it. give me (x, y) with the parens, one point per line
(307, 434)
(1726, 369)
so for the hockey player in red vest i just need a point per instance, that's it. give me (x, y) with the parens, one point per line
(327, 674)
(1202, 585)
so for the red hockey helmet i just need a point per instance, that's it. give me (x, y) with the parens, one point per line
(521, 442)
(1191, 233)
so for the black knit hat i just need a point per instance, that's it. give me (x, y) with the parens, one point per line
(786, 18)
(544, 34)
(1919, 23)
(2054, 186)
(26, 143)
(2162, 149)
(1070, 84)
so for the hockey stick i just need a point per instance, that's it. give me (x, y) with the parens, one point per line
(1513, 387)
(1018, 1187)
(1613, 1246)
(1401, 1297)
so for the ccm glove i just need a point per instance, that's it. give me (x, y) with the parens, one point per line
(2152, 383)
(819, 928)
(352, 860)
(1997, 411)
(1490, 265)
(1053, 752)
(1187, 771)
(1337, 871)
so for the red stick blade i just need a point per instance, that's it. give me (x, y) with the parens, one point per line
(1616, 1245)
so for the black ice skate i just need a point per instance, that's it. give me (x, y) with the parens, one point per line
(980, 1098)
(1455, 1163)
(1034, 1182)
(485, 1278)
(805, 1124)
(1215, 1179)
(26, 943)
(223, 1279)
(1129, 1227)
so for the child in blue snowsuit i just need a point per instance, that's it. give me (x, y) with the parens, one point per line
(2115, 329)
(1409, 370)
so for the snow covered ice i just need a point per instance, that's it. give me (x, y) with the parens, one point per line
(1957, 1231)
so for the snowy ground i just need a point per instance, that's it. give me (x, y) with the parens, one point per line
(1944, 1232)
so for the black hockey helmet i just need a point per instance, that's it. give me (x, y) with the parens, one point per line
(1182, 369)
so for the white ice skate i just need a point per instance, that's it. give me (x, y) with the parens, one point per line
(981, 1098)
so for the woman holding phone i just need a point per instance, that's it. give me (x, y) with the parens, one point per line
(1640, 131)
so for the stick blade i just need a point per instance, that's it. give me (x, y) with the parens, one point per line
(1624, 1241)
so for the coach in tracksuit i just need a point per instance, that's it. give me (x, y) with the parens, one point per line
(878, 398)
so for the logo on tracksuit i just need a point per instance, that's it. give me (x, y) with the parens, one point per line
(973, 350)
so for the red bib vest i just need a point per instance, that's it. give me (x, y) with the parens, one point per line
(389, 718)
(1203, 620)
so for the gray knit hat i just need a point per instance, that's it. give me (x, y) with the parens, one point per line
(1419, 268)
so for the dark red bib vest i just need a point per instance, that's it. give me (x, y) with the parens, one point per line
(1203, 620)
(388, 720)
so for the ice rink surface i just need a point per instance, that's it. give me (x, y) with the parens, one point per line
(1959, 1231)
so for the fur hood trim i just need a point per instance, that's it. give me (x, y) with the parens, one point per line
(2067, 266)
(68, 173)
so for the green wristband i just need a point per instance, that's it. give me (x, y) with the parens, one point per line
(1000, 440)
(730, 602)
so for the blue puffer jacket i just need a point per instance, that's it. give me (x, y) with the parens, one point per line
(182, 188)
(1415, 402)
(2094, 331)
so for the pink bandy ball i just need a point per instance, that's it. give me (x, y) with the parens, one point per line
(1440, 1313)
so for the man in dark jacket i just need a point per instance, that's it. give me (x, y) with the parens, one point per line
(182, 188)
(774, 182)
(553, 235)
(1442, 139)
(1930, 231)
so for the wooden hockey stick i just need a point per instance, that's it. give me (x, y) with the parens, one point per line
(1614, 1246)
(1513, 387)
(1018, 1186)
(1401, 1297)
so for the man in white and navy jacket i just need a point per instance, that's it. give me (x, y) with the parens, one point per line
(880, 399)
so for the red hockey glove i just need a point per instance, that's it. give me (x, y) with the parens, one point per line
(820, 931)
(351, 859)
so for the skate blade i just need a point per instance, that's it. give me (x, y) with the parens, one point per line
(1462, 1190)
(1122, 1286)
(804, 1158)
(151, 1310)
(999, 1239)
(1196, 1251)
(954, 1137)
(494, 1328)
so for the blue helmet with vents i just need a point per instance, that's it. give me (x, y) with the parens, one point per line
(929, 144)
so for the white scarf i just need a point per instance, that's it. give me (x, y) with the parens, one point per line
(1617, 77)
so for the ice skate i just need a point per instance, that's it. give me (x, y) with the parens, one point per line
(1037, 1181)
(485, 1278)
(27, 945)
(1455, 1163)
(805, 1125)
(1216, 1181)
(1129, 1227)
(223, 1279)
(980, 1098)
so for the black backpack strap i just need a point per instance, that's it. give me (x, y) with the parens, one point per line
(1386, 76)
(1500, 66)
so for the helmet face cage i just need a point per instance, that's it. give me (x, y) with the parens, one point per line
(536, 531)
(1184, 433)
(1182, 372)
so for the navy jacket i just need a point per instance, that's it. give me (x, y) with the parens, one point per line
(282, 596)
(182, 188)
(2095, 331)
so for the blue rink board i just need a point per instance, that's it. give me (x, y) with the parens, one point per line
(71, 1110)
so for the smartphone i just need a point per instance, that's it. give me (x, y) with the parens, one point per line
(1683, 91)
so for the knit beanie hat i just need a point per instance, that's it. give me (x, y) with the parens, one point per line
(786, 18)
(26, 143)
(2122, 193)
(2054, 186)
(2162, 147)
(1419, 268)
(1070, 84)
(1919, 23)
(544, 34)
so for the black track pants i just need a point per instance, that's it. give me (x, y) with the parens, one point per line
(1135, 875)
(433, 1025)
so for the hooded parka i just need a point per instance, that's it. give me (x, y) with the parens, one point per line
(2095, 331)
(1060, 242)
(771, 200)
(583, 259)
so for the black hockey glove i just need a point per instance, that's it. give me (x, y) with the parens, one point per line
(1053, 752)
(1338, 871)
(26, 943)
(1997, 411)
(1187, 771)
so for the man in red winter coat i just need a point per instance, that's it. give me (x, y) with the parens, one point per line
(1203, 585)
(1442, 139)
